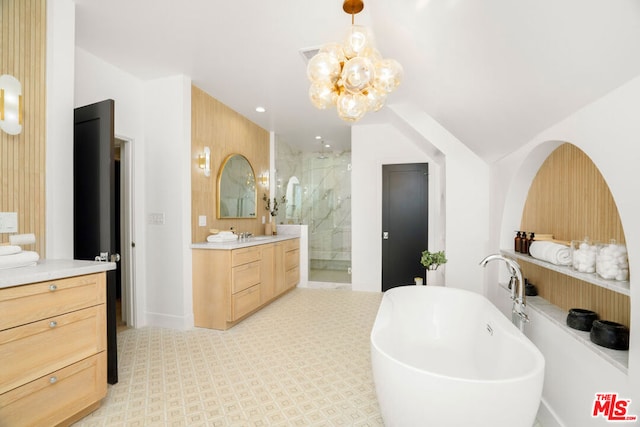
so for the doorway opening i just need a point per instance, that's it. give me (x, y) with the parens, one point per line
(405, 225)
(125, 244)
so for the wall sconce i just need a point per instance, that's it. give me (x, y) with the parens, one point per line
(10, 105)
(204, 161)
(263, 179)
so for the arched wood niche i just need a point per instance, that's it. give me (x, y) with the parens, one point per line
(570, 199)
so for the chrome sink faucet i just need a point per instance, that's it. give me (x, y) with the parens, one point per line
(518, 295)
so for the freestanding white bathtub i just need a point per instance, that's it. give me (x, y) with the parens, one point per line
(448, 357)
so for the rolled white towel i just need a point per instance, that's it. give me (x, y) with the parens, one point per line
(22, 259)
(9, 250)
(554, 253)
(218, 238)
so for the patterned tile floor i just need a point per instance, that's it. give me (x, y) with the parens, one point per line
(301, 361)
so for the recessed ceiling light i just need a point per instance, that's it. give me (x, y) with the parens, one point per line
(260, 109)
(318, 137)
(327, 145)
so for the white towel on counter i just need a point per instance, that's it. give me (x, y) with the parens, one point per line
(222, 237)
(9, 250)
(554, 253)
(22, 259)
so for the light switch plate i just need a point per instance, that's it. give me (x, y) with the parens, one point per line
(156, 218)
(8, 222)
(202, 220)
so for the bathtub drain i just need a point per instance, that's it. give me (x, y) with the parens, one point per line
(489, 329)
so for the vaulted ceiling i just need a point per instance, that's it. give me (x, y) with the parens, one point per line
(493, 72)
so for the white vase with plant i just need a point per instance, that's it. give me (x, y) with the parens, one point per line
(431, 261)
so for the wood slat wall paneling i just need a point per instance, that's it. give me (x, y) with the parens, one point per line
(22, 157)
(570, 199)
(224, 131)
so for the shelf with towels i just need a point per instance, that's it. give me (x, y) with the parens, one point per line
(613, 285)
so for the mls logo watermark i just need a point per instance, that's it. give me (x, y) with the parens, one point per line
(611, 408)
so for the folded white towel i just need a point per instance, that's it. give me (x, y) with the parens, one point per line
(217, 238)
(9, 250)
(554, 253)
(22, 239)
(22, 259)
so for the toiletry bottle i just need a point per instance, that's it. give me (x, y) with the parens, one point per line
(524, 247)
(517, 242)
(531, 239)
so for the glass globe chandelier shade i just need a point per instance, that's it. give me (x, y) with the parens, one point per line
(352, 75)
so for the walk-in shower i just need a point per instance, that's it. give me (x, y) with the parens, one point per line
(317, 186)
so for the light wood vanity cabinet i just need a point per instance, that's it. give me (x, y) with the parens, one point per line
(229, 284)
(52, 350)
(288, 265)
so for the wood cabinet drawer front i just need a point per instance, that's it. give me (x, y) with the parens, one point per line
(28, 303)
(244, 302)
(245, 255)
(31, 351)
(51, 399)
(292, 277)
(245, 276)
(292, 244)
(291, 259)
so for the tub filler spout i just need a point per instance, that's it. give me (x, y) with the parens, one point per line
(518, 296)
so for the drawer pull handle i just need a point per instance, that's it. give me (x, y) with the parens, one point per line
(53, 380)
(53, 324)
(53, 287)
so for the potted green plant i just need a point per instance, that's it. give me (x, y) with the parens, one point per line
(431, 261)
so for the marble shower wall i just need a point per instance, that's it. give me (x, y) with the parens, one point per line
(321, 198)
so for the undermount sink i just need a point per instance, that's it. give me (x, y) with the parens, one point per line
(261, 237)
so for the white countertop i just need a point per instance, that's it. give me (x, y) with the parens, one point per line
(51, 269)
(251, 241)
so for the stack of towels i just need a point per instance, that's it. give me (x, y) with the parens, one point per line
(222, 236)
(552, 252)
(12, 255)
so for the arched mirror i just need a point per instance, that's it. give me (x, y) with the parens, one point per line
(236, 188)
(294, 199)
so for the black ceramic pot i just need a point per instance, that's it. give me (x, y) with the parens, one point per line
(581, 319)
(610, 334)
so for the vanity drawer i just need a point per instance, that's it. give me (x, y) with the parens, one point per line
(291, 259)
(33, 350)
(244, 302)
(39, 402)
(245, 276)
(245, 255)
(292, 277)
(28, 303)
(291, 244)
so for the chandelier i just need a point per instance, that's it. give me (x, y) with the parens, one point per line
(352, 75)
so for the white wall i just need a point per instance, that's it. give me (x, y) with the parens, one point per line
(458, 199)
(59, 131)
(168, 191)
(608, 131)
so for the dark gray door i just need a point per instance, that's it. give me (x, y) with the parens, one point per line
(405, 230)
(94, 226)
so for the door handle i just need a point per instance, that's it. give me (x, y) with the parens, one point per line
(385, 235)
(115, 257)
